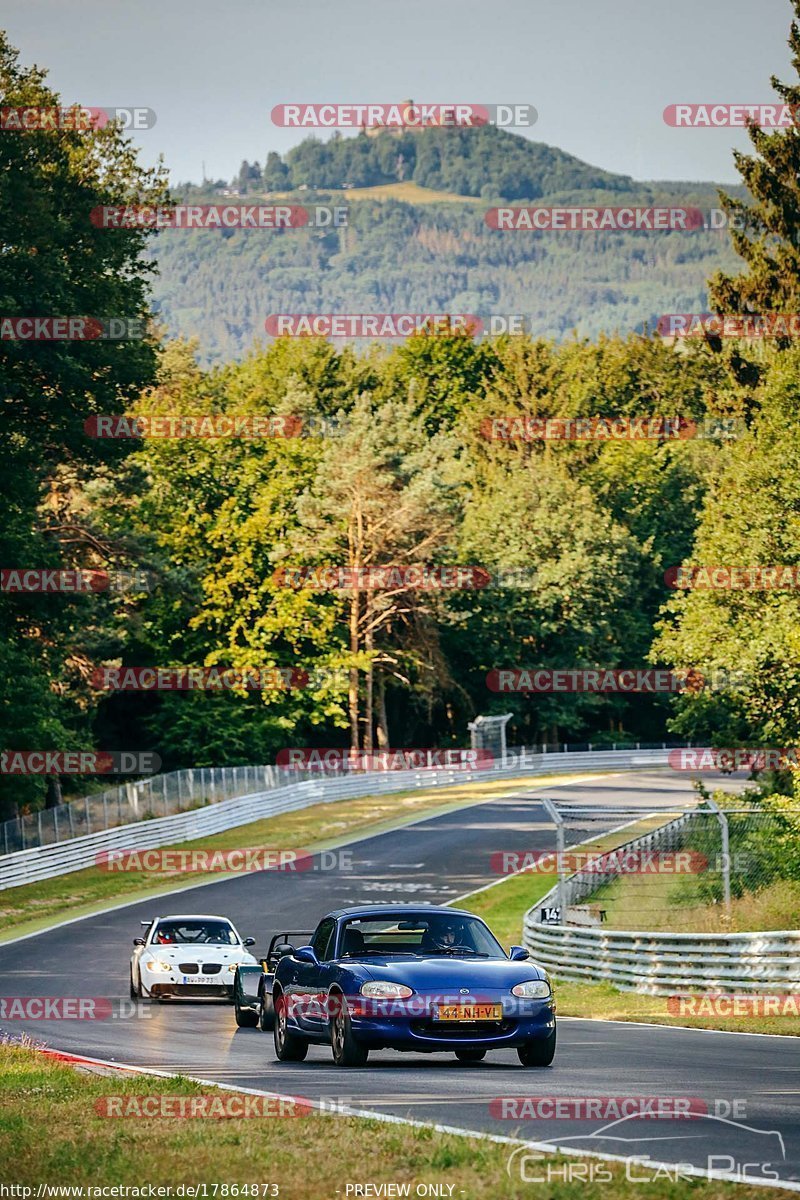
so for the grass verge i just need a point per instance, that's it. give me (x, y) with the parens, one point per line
(51, 1133)
(577, 999)
(33, 906)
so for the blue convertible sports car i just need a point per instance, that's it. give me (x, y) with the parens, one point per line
(410, 978)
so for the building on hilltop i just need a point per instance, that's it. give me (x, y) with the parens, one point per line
(446, 119)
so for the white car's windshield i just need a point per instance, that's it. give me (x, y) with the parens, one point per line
(428, 934)
(188, 932)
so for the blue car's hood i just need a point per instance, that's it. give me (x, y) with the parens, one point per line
(447, 971)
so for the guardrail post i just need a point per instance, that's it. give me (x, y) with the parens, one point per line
(726, 855)
(39, 824)
(88, 818)
(558, 821)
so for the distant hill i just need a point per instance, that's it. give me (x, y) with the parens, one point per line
(471, 162)
(420, 243)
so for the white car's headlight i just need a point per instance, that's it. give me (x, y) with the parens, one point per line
(532, 989)
(158, 964)
(382, 989)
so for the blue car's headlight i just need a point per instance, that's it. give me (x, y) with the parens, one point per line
(382, 989)
(532, 989)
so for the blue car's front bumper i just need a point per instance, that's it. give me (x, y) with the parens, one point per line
(522, 1021)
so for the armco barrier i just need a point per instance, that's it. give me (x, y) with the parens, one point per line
(664, 963)
(45, 862)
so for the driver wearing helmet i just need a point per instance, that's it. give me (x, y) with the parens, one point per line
(453, 933)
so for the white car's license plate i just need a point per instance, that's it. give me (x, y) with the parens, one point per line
(202, 979)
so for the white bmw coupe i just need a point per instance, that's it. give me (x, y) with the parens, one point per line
(188, 956)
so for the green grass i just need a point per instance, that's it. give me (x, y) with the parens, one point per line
(577, 999)
(665, 902)
(34, 906)
(503, 904)
(52, 1133)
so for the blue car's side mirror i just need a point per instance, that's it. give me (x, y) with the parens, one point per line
(307, 954)
(518, 953)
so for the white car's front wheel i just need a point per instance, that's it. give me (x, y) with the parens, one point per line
(136, 992)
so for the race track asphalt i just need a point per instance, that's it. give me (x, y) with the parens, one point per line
(435, 860)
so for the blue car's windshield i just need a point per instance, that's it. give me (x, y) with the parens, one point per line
(426, 934)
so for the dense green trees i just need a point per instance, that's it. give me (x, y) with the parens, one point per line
(749, 520)
(397, 470)
(55, 263)
(750, 636)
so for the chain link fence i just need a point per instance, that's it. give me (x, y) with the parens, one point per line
(704, 869)
(140, 800)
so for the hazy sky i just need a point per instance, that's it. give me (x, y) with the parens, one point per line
(599, 72)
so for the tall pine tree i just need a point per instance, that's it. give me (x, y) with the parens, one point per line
(766, 229)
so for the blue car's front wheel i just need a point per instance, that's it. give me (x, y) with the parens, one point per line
(347, 1051)
(538, 1053)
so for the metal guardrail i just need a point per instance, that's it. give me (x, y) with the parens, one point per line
(663, 963)
(46, 862)
(658, 963)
